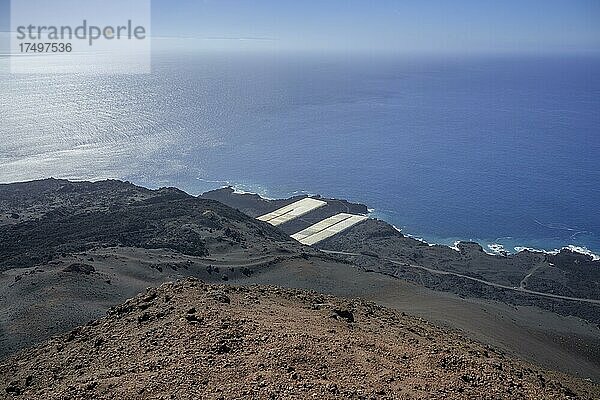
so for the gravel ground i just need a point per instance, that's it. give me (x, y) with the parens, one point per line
(194, 340)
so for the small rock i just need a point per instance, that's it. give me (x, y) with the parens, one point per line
(219, 296)
(14, 388)
(192, 318)
(343, 314)
(223, 348)
(144, 317)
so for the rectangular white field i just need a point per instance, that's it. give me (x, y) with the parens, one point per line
(327, 228)
(320, 226)
(292, 211)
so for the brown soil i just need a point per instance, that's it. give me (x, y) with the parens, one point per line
(194, 340)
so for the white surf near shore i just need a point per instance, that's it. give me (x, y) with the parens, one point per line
(573, 248)
(496, 249)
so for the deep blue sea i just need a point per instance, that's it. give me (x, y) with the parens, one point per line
(498, 149)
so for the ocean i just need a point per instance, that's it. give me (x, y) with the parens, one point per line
(497, 149)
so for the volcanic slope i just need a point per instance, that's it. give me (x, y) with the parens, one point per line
(194, 340)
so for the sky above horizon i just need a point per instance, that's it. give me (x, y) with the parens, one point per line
(385, 25)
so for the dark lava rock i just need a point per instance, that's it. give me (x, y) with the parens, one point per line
(144, 317)
(219, 296)
(193, 318)
(14, 388)
(78, 268)
(344, 314)
(222, 348)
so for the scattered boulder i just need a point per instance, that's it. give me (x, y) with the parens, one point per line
(193, 318)
(219, 296)
(222, 348)
(343, 314)
(144, 317)
(14, 388)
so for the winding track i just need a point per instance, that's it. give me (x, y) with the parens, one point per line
(492, 284)
(532, 271)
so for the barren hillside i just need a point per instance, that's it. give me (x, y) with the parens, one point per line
(193, 340)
